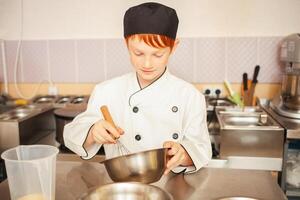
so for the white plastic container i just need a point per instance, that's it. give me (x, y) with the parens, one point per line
(31, 172)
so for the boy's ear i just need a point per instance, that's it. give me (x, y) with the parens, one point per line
(175, 45)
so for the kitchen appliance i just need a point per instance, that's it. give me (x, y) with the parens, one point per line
(288, 103)
(47, 99)
(60, 101)
(285, 107)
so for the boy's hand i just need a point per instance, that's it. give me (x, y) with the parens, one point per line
(103, 132)
(178, 155)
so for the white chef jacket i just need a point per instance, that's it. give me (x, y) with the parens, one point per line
(169, 109)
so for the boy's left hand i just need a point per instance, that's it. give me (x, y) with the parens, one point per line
(178, 155)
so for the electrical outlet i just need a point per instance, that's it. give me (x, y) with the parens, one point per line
(207, 91)
(52, 90)
(217, 92)
(212, 91)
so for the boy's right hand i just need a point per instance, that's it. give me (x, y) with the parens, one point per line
(103, 132)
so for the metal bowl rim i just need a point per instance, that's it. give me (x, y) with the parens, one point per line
(94, 189)
(240, 197)
(133, 154)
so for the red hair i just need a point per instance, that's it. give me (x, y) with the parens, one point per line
(153, 40)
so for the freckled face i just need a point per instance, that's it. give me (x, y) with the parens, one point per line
(149, 62)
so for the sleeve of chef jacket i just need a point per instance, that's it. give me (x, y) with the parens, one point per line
(196, 139)
(75, 133)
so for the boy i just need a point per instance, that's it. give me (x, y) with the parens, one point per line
(153, 108)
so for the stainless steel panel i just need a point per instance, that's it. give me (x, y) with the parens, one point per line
(27, 129)
(291, 125)
(249, 132)
(9, 135)
(259, 143)
(250, 119)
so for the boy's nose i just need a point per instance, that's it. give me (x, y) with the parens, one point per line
(147, 63)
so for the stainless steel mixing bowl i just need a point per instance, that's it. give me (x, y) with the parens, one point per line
(132, 191)
(238, 198)
(145, 167)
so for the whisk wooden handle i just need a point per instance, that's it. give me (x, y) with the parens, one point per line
(106, 114)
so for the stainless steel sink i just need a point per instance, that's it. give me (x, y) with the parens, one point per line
(249, 132)
(21, 113)
(251, 118)
(217, 102)
(60, 101)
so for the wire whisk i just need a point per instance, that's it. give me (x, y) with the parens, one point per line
(121, 147)
(123, 150)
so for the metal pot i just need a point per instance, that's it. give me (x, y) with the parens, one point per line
(132, 191)
(145, 167)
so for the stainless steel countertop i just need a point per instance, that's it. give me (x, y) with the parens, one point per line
(292, 126)
(73, 178)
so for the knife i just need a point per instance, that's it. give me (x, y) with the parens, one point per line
(245, 81)
(256, 71)
(245, 89)
(253, 84)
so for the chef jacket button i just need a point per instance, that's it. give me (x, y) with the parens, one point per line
(138, 137)
(175, 136)
(174, 109)
(135, 109)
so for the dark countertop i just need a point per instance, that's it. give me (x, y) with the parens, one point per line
(74, 178)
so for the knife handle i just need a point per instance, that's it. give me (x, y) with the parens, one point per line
(256, 70)
(245, 81)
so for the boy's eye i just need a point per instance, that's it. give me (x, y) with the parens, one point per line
(138, 53)
(158, 55)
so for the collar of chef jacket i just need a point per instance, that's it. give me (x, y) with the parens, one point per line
(149, 93)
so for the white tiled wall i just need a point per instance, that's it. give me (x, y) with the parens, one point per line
(11, 50)
(210, 60)
(200, 60)
(1, 68)
(34, 70)
(116, 58)
(90, 55)
(268, 53)
(241, 57)
(182, 61)
(63, 68)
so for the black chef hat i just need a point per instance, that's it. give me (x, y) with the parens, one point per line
(151, 18)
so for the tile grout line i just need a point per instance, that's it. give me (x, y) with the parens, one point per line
(257, 50)
(48, 62)
(226, 58)
(104, 60)
(195, 63)
(76, 61)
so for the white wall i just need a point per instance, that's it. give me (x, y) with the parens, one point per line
(61, 19)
